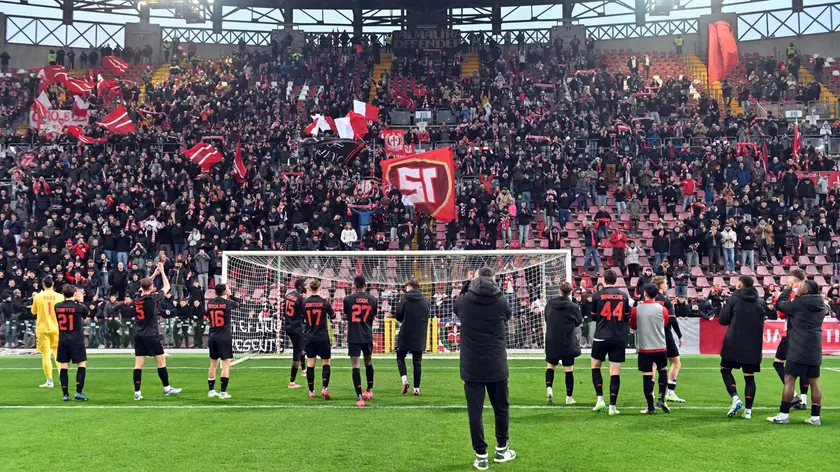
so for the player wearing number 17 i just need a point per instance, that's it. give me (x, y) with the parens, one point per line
(317, 313)
(611, 312)
(360, 309)
(220, 340)
(71, 340)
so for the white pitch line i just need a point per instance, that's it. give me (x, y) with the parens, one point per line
(240, 360)
(377, 366)
(349, 407)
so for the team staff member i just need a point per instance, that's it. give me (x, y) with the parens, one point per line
(484, 314)
(413, 315)
(71, 340)
(220, 340)
(744, 314)
(562, 340)
(805, 315)
(46, 328)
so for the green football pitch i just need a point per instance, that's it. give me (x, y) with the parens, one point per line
(265, 426)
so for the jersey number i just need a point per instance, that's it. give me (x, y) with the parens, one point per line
(290, 308)
(356, 314)
(217, 318)
(141, 315)
(617, 312)
(65, 323)
(317, 313)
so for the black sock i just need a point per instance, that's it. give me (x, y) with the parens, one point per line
(663, 383)
(80, 379)
(647, 387)
(549, 377)
(598, 382)
(357, 381)
(310, 378)
(803, 386)
(62, 379)
(815, 409)
(164, 376)
(293, 375)
(570, 383)
(615, 384)
(225, 381)
(325, 376)
(780, 369)
(211, 384)
(672, 385)
(369, 375)
(138, 377)
(785, 408)
(749, 391)
(729, 381)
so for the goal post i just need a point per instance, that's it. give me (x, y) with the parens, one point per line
(261, 279)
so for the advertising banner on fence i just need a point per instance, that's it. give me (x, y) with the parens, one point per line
(414, 39)
(712, 333)
(55, 120)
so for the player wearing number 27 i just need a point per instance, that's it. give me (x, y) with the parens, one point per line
(46, 329)
(360, 310)
(220, 340)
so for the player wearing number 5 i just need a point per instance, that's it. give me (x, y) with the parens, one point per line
(360, 310)
(220, 340)
(147, 340)
(46, 329)
(71, 341)
(316, 315)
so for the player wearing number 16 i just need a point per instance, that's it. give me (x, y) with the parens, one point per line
(611, 312)
(71, 339)
(220, 340)
(317, 313)
(46, 329)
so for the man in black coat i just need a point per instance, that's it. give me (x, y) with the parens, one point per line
(413, 315)
(744, 314)
(484, 314)
(562, 340)
(805, 315)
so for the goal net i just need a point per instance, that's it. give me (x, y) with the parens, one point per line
(260, 280)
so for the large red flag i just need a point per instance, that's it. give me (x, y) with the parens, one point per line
(115, 65)
(239, 169)
(427, 179)
(204, 155)
(722, 50)
(78, 86)
(79, 134)
(797, 143)
(118, 121)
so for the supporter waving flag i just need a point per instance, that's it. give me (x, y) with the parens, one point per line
(118, 121)
(352, 126)
(335, 150)
(203, 155)
(78, 86)
(41, 105)
(79, 134)
(370, 112)
(115, 65)
(239, 169)
(427, 179)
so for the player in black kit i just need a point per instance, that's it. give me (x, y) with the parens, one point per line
(672, 346)
(71, 340)
(220, 340)
(147, 338)
(316, 315)
(611, 312)
(360, 311)
(293, 311)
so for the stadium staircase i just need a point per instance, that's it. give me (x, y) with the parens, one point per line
(701, 73)
(470, 65)
(383, 66)
(826, 94)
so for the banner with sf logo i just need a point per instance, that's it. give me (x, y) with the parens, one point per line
(427, 179)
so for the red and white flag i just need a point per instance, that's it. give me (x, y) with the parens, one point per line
(47, 74)
(79, 134)
(115, 65)
(320, 123)
(370, 112)
(118, 121)
(352, 126)
(203, 155)
(78, 86)
(104, 87)
(797, 143)
(239, 169)
(41, 105)
(80, 106)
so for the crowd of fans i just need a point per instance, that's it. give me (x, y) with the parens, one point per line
(550, 151)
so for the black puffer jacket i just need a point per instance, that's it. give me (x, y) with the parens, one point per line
(805, 315)
(413, 315)
(744, 314)
(562, 329)
(484, 314)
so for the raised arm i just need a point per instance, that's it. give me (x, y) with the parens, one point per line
(163, 277)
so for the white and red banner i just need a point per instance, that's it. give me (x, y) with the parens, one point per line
(79, 134)
(395, 143)
(370, 112)
(711, 336)
(203, 155)
(55, 120)
(352, 126)
(118, 121)
(115, 65)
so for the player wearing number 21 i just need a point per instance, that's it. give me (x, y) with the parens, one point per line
(46, 329)
(71, 339)
(220, 340)
(317, 313)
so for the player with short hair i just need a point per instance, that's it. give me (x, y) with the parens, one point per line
(650, 319)
(220, 340)
(147, 340)
(413, 314)
(611, 312)
(71, 340)
(360, 310)
(46, 328)
(673, 353)
(317, 312)
(293, 309)
(562, 340)
(795, 277)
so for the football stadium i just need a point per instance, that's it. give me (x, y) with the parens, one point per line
(512, 235)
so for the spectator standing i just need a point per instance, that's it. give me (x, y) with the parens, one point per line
(728, 241)
(202, 268)
(591, 240)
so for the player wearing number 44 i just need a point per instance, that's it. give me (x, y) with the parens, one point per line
(220, 340)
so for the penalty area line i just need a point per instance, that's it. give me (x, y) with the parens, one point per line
(240, 360)
(346, 407)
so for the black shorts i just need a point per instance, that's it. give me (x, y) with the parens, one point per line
(672, 349)
(147, 346)
(781, 351)
(357, 349)
(71, 352)
(318, 349)
(748, 368)
(220, 348)
(802, 370)
(612, 348)
(648, 359)
(565, 361)
(297, 337)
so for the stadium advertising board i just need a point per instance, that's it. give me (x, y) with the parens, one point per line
(55, 120)
(712, 334)
(426, 39)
